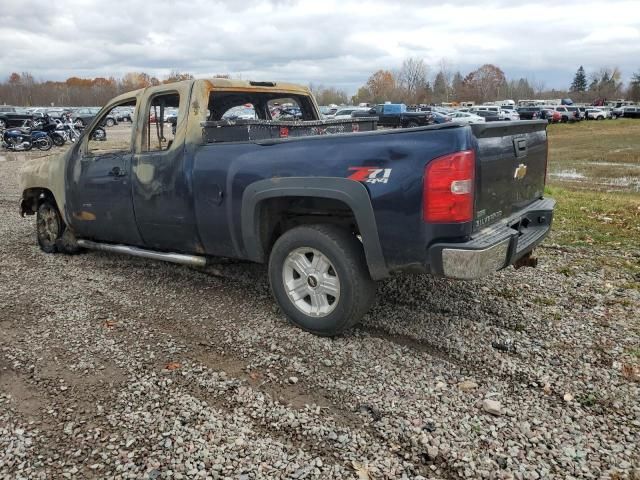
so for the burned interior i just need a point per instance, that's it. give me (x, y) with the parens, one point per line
(266, 105)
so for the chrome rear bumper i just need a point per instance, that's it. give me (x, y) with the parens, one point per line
(494, 247)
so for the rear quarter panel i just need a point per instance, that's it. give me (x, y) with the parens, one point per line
(397, 204)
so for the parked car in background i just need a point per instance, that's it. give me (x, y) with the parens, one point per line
(240, 113)
(171, 116)
(123, 114)
(509, 114)
(530, 113)
(12, 117)
(343, 113)
(488, 115)
(38, 111)
(503, 114)
(84, 116)
(396, 115)
(579, 114)
(595, 114)
(56, 113)
(616, 112)
(550, 115)
(466, 118)
(566, 115)
(606, 110)
(629, 112)
(439, 117)
(327, 111)
(486, 108)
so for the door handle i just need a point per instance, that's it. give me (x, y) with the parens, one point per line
(117, 172)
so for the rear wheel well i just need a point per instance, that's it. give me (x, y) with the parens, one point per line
(278, 215)
(32, 198)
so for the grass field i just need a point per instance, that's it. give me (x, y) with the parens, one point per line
(601, 155)
(594, 174)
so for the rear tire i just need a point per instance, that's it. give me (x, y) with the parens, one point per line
(413, 124)
(319, 277)
(44, 143)
(110, 122)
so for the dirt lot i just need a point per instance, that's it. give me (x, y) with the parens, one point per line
(114, 367)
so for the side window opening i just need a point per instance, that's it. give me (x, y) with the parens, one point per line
(108, 136)
(161, 122)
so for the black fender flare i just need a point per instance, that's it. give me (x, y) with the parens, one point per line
(350, 192)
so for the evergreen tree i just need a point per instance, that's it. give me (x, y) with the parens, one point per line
(633, 93)
(440, 88)
(579, 81)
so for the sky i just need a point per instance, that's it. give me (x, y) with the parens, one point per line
(329, 42)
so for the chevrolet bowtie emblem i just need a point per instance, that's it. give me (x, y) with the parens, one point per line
(520, 172)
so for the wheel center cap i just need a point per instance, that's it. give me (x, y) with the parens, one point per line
(312, 281)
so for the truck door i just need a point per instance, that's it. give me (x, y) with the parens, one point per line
(162, 184)
(98, 185)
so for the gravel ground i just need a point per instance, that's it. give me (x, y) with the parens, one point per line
(116, 367)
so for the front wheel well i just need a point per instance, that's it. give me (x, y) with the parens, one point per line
(32, 198)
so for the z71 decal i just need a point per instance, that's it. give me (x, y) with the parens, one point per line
(370, 175)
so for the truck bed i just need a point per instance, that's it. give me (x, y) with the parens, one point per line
(255, 130)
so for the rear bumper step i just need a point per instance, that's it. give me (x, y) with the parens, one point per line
(495, 247)
(191, 260)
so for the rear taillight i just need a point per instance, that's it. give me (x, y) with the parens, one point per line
(448, 188)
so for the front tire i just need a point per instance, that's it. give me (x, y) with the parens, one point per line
(319, 277)
(58, 140)
(49, 227)
(110, 122)
(52, 233)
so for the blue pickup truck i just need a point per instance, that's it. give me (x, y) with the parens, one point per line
(396, 115)
(331, 205)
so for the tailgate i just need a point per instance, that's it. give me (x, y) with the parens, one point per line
(511, 159)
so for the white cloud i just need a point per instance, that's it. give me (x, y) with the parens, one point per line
(333, 42)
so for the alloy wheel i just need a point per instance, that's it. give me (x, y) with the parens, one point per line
(311, 282)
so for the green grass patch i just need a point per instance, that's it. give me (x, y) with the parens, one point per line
(602, 155)
(584, 218)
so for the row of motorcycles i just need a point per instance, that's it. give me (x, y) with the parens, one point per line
(42, 133)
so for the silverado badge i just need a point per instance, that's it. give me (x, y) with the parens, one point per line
(520, 172)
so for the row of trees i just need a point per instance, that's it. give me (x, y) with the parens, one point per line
(413, 83)
(23, 89)
(602, 84)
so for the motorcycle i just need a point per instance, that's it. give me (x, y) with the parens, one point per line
(74, 130)
(24, 139)
(56, 131)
